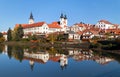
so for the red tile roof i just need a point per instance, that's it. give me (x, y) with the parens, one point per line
(81, 25)
(54, 25)
(92, 31)
(55, 58)
(31, 25)
(116, 31)
(105, 21)
(80, 32)
(116, 25)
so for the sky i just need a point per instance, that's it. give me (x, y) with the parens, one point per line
(88, 11)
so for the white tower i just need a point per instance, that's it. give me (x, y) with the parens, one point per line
(63, 22)
(31, 19)
(65, 19)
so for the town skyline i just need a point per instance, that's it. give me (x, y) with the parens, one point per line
(77, 11)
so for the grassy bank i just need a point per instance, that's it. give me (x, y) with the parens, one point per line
(56, 44)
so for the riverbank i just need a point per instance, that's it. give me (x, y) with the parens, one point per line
(109, 46)
(56, 44)
(108, 51)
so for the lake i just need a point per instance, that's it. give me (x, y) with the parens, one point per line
(21, 61)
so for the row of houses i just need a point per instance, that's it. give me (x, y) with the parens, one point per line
(102, 29)
(77, 31)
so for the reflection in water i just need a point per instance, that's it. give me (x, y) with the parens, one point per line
(63, 61)
(40, 57)
(60, 55)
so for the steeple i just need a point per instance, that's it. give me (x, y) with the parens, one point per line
(61, 16)
(31, 19)
(63, 22)
(31, 16)
(65, 17)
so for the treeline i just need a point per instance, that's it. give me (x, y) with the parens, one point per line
(16, 34)
(107, 44)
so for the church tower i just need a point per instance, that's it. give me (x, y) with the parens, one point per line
(63, 22)
(31, 19)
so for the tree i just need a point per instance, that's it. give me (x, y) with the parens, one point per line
(18, 33)
(9, 34)
(2, 39)
(52, 38)
(1, 35)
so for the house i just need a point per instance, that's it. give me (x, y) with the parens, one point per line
(78, 27)
(5, 35)
(113, 33)
(89, 34)
(54, 27)
(34, 28)
(73, 36)
(104, 24)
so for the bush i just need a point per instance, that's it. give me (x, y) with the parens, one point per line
(96, 45)
(25, 39)
(2, 39)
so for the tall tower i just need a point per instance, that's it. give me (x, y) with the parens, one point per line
(63, 22)
(31, 19)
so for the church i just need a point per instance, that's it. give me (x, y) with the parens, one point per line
(38, 28)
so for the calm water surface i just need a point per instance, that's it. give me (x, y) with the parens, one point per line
(57, 62)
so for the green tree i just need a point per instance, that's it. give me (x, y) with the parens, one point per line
(9, 34)
(18, 33)
(1, 35)
(52, 38)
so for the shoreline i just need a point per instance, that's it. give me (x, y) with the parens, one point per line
(56, 44)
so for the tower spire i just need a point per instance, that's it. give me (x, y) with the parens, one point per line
(61, 15)
(31, 19)
(65, 17)
(31, 16)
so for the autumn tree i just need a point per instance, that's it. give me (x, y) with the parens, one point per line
(52, 38)
(2, 39)
(18, 33)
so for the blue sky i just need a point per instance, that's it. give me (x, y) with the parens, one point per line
(87, 11)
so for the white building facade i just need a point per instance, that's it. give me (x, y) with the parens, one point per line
(44, 28)
(103, 24)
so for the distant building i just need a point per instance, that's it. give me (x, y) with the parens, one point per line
(44, 28)
(104, 24)
(78, 27)
(5, 35)
(35, 28)
(54, 27)
(73, 35)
